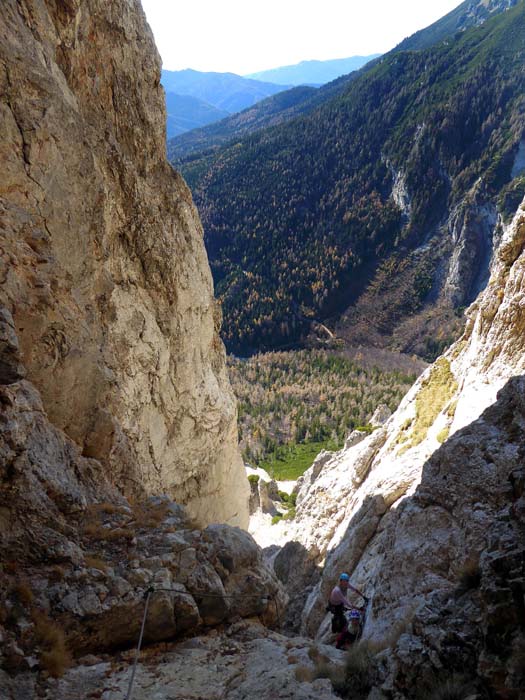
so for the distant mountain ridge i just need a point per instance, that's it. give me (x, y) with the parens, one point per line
(225, 91)
(312, 72)
(338, 206)
(185, 113)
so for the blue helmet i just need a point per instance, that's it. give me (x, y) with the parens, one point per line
(344, 577)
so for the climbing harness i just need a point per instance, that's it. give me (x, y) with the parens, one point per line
(152, 590)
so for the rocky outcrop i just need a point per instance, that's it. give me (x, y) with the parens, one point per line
(78, 560)
(103, 268)
(244, 661)
(473, 227)
(427, 512)
(96, 594)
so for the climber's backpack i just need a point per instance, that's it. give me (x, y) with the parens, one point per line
(354, 618)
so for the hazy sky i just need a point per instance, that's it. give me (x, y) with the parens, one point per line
(244, 36)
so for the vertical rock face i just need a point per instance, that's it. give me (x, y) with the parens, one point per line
(102, 262)
(428, 512)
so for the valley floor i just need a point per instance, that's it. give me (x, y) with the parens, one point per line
(293, 405)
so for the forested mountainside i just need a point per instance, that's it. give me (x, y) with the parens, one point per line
(400, 177)
(470, 13)
(269, 112)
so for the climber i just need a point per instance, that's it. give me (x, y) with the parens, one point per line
(337, 605)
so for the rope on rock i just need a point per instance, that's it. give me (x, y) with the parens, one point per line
(132, 679)
(151, 590)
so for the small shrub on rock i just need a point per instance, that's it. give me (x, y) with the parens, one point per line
(254, 478)
(353, 680)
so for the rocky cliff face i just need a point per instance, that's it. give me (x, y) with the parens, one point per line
(428, 512)
(102, 262)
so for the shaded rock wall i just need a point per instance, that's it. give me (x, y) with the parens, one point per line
(428, 500)
(102, 262)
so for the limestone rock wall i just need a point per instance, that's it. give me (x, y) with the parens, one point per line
(77, 558)
(102, 262)
(427, 513)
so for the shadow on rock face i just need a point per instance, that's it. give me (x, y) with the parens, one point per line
(296, 568)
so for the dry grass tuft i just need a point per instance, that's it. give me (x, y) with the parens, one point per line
(451, 409)
(47, 632)
(316, 655)
(56, 661)
(96, 531)
(335, 674)
(24, 594)
(442, 436)
(57, 573)
(94, 523)
(454, 688)
(104, 509)
(148, 515)
(304, 674)
(313, 653)
(95, 563)
(55, 657)
(436, 392)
